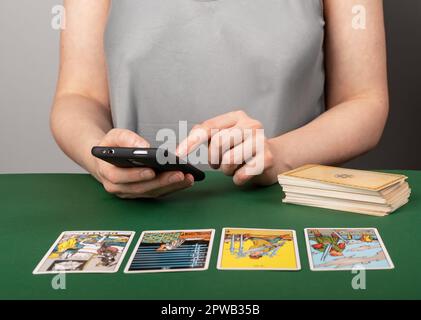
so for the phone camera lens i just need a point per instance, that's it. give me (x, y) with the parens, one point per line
(108, 151)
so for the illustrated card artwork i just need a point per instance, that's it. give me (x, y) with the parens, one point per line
(258, 249)
(86, 251)
(346, 249)
(171, 250)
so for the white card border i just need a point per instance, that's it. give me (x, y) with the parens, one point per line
(45, 257)
(205, 267)
(310, 259)
(297, 253)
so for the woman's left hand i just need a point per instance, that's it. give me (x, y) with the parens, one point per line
(236, 145)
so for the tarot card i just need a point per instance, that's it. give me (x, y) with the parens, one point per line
(346, 249)
(171, 250)
(258, 249)
(351, 178)
(86, 252)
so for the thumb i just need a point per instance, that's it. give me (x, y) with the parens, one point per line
(124, 138)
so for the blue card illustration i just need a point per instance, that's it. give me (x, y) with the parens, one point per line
(174, 250)
(346, 249)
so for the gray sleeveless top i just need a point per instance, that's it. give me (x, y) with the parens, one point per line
(191, 60)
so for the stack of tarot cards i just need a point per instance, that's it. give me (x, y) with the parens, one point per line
(366, 192)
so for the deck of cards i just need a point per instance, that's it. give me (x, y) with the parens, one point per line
(359, 191)
(190, 250)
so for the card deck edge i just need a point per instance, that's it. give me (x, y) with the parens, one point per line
(50, 250)
(221, 245)
(308, 166)
(133, 254)
(310, 260)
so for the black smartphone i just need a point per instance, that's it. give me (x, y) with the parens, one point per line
(157, 159)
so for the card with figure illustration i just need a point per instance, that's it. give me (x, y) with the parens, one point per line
(171, 250)
(86, 252)
(346, 249)
(258, 249)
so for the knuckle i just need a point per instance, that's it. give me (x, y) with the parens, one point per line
(254, 124)
(227, 170)
(140, 189)
(124, 134)
(116, 132)
(206, 125)
(110, 187)
(240, 113)
(199, 130)
(112, 176)
(269, 157)
(257, 124)
(162, 180)
(100, 171)
(198, 126)
(112, 132)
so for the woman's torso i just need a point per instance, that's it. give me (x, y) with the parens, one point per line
(172, 60)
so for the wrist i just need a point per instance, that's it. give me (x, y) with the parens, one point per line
(282, 160)
(88, 161)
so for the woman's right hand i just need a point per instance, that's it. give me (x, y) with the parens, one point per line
(131, 183)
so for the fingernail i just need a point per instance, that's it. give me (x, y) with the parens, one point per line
(147, 174)
(181, 151)
(238, 180)
(176, 177)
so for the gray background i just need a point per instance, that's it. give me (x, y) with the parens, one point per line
(28, 73)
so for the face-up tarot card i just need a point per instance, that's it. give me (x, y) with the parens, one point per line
(86, 252)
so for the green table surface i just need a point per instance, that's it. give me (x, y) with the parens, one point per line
(36, 208)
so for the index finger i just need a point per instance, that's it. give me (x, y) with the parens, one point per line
(124, 138)
(205, 131)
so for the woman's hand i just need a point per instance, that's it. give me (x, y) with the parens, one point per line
(237, 146)
(136, 182)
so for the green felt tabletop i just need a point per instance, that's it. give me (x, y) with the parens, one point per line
(35, 209)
